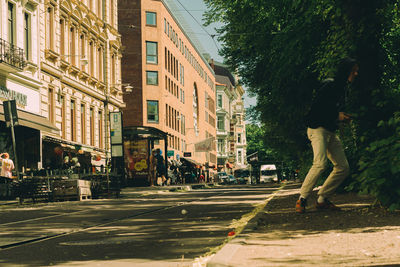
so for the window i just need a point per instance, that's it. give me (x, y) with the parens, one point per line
(83, 49)
(168, 29)
(165, 25)
(151, 18)
(100, 63)
(219, 101)
(62, 37)
(91, 53)
(112, 13)
(51, 105)
(166, 114)
(72, 46)
(99, 5)
(72, 120)
(165, 57)
(152, 111)
(220, 123)
(221, 146)
(27, 36)
(183, 75)
(152, 77)
(50, 27)
(63, 118)
(11, 23)
(100, 129)
(239, 138)
(151, 52)
(83, 124)
(183, 124)
(113, 74)
(239, 155)
(91, 114)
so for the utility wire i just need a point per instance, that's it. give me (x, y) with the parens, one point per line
(204, 29)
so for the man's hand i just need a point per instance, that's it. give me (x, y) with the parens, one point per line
(344, 117)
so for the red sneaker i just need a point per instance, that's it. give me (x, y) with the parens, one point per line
(301, 205)
(326, 205)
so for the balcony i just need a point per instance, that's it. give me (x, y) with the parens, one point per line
(11, 57)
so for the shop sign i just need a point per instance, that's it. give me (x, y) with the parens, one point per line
(204, 146)
(187, 154)
(21, 99)
(170, 153)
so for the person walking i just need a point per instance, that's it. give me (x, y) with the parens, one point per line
(153, 167)
(7, 165)
(160, 168)
(322, 123)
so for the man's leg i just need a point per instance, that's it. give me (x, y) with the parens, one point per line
(319, 146)
(340, 167)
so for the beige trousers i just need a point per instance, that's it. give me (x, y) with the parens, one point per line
(325, 145)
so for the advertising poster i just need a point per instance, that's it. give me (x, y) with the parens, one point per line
(136, 162)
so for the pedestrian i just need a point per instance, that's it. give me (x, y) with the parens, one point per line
(201, 178)
(7, 165)
(322, 123)
(153, 167)
(160, 168)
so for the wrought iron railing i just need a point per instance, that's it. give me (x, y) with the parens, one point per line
(12, 55)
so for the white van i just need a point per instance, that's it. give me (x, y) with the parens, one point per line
(268, 173)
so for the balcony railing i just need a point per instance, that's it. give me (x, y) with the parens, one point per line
(11, 55)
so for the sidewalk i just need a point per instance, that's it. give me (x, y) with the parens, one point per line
(359, 235)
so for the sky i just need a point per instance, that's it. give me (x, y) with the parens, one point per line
(192, 12)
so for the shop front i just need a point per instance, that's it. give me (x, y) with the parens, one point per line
(28, 134)
(60, 156)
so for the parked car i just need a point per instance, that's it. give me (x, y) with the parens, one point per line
(243, 176)
(222, 177)
(232, 179)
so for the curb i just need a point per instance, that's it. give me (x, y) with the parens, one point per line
(225, 254)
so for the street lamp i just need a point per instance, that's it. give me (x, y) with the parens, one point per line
(128, 89)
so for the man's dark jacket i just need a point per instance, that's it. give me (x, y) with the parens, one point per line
(324, 110)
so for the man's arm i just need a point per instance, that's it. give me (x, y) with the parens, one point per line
(344, 117)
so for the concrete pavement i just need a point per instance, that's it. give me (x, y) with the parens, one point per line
(366, 244)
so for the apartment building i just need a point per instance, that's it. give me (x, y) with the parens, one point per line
(20, 80)
(173, 84)
(231, 128)
(80, 61)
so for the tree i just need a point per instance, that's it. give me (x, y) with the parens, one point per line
(282, 49)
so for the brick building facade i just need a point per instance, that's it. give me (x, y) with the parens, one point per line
(173, 84)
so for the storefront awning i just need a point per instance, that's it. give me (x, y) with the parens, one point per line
(144, 132)
(32, 121)
(189, 161)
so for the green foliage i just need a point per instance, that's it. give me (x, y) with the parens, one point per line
(283, 48)
(379, 166)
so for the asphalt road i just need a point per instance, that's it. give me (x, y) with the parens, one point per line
(148, 228)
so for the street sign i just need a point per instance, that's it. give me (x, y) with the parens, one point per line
(10, 113)
(253, 157)
(170, 153)
(187, 154)
(116, 127)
